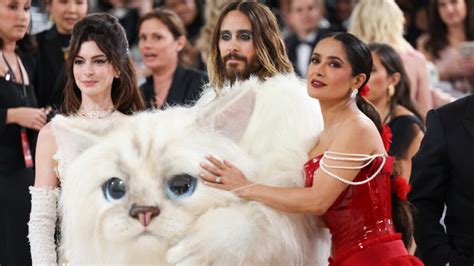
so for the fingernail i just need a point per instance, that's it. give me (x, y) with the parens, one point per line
(201, 174)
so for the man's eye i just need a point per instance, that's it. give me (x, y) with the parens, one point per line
(245, 36)
(226, 36)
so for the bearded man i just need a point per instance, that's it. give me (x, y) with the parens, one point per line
(254, 94)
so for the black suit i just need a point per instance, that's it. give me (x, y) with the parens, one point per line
(186, 88)
(292, 42)
(443, 174)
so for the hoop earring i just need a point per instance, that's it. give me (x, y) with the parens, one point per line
(390, 91)
(354, 93)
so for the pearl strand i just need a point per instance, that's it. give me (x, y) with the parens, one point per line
(363, 157)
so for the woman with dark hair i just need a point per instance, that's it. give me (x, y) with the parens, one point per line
(101, 87)
(20, 119)
(52, 45)
(390, 93)
(348, 175)
(451, 23)
(167, 53)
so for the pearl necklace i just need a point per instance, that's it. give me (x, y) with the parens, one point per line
(97, 114)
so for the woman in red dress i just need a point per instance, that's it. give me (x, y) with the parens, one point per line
(348, 175)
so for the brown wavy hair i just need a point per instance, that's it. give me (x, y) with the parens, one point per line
(269, 46)
(438, 30)
(109, 35)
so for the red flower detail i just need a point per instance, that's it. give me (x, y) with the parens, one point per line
(386, 136)
(400, 187)
(364, 91)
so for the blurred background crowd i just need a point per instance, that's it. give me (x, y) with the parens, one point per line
(430, 36)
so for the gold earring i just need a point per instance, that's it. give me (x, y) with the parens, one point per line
(390, 91)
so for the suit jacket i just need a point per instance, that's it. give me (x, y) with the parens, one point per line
(292, 42)
(443, 174)
(49, 78)
(186, 88)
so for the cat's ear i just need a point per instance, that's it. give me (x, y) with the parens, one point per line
(233, 118)
(74, 135)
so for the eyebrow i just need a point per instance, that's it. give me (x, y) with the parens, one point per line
(238, 31)
(330, 57)
(94, 57)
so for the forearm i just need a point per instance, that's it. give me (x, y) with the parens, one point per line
(10, 116)
(293, 200)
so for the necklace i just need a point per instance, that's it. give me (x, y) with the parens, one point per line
(98, 114)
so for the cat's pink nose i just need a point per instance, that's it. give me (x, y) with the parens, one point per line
(144, 213)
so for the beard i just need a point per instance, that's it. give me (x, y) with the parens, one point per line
(232, 73)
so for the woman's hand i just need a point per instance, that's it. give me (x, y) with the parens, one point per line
(34, 118)
(223, 175)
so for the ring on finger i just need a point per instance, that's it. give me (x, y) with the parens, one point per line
(218, 179)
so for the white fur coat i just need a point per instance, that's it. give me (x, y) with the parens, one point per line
(274, 124)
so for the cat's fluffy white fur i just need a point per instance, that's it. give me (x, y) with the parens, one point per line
(209, 227)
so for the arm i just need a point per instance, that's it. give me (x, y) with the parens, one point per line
(28, 117)
(325, 190)
(44, 196)
(429, 180)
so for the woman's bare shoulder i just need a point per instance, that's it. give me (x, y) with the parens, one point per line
(358, 135)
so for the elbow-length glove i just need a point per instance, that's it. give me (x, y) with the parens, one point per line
(42, 225)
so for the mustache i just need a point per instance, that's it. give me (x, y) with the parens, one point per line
(229, 56)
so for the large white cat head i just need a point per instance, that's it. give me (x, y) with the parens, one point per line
(135, 191)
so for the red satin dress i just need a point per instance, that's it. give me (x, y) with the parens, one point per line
(360, 220)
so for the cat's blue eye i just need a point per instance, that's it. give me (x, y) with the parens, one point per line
(180, 186)
(114, 189)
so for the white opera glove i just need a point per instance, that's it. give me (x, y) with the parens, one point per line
(42, 225)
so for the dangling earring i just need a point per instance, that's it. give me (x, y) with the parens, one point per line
(390, 91)
(354, 93)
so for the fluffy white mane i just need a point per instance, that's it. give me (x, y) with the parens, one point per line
(203, 226)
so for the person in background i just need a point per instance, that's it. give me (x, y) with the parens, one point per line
(442, 181)
(190, 13)
(100, 87)
(165, 51)
(49, 78)
(371, 25)
(305, 17)
(390, 93)
(451, 23)
(348, 173)
(20, 120)
(339, 13)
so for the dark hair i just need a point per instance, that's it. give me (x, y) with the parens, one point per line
(358, 55)
(269, 46)
(438, 30)
(187, 56)
(109, 35)
(392, 62)
(360, 58)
